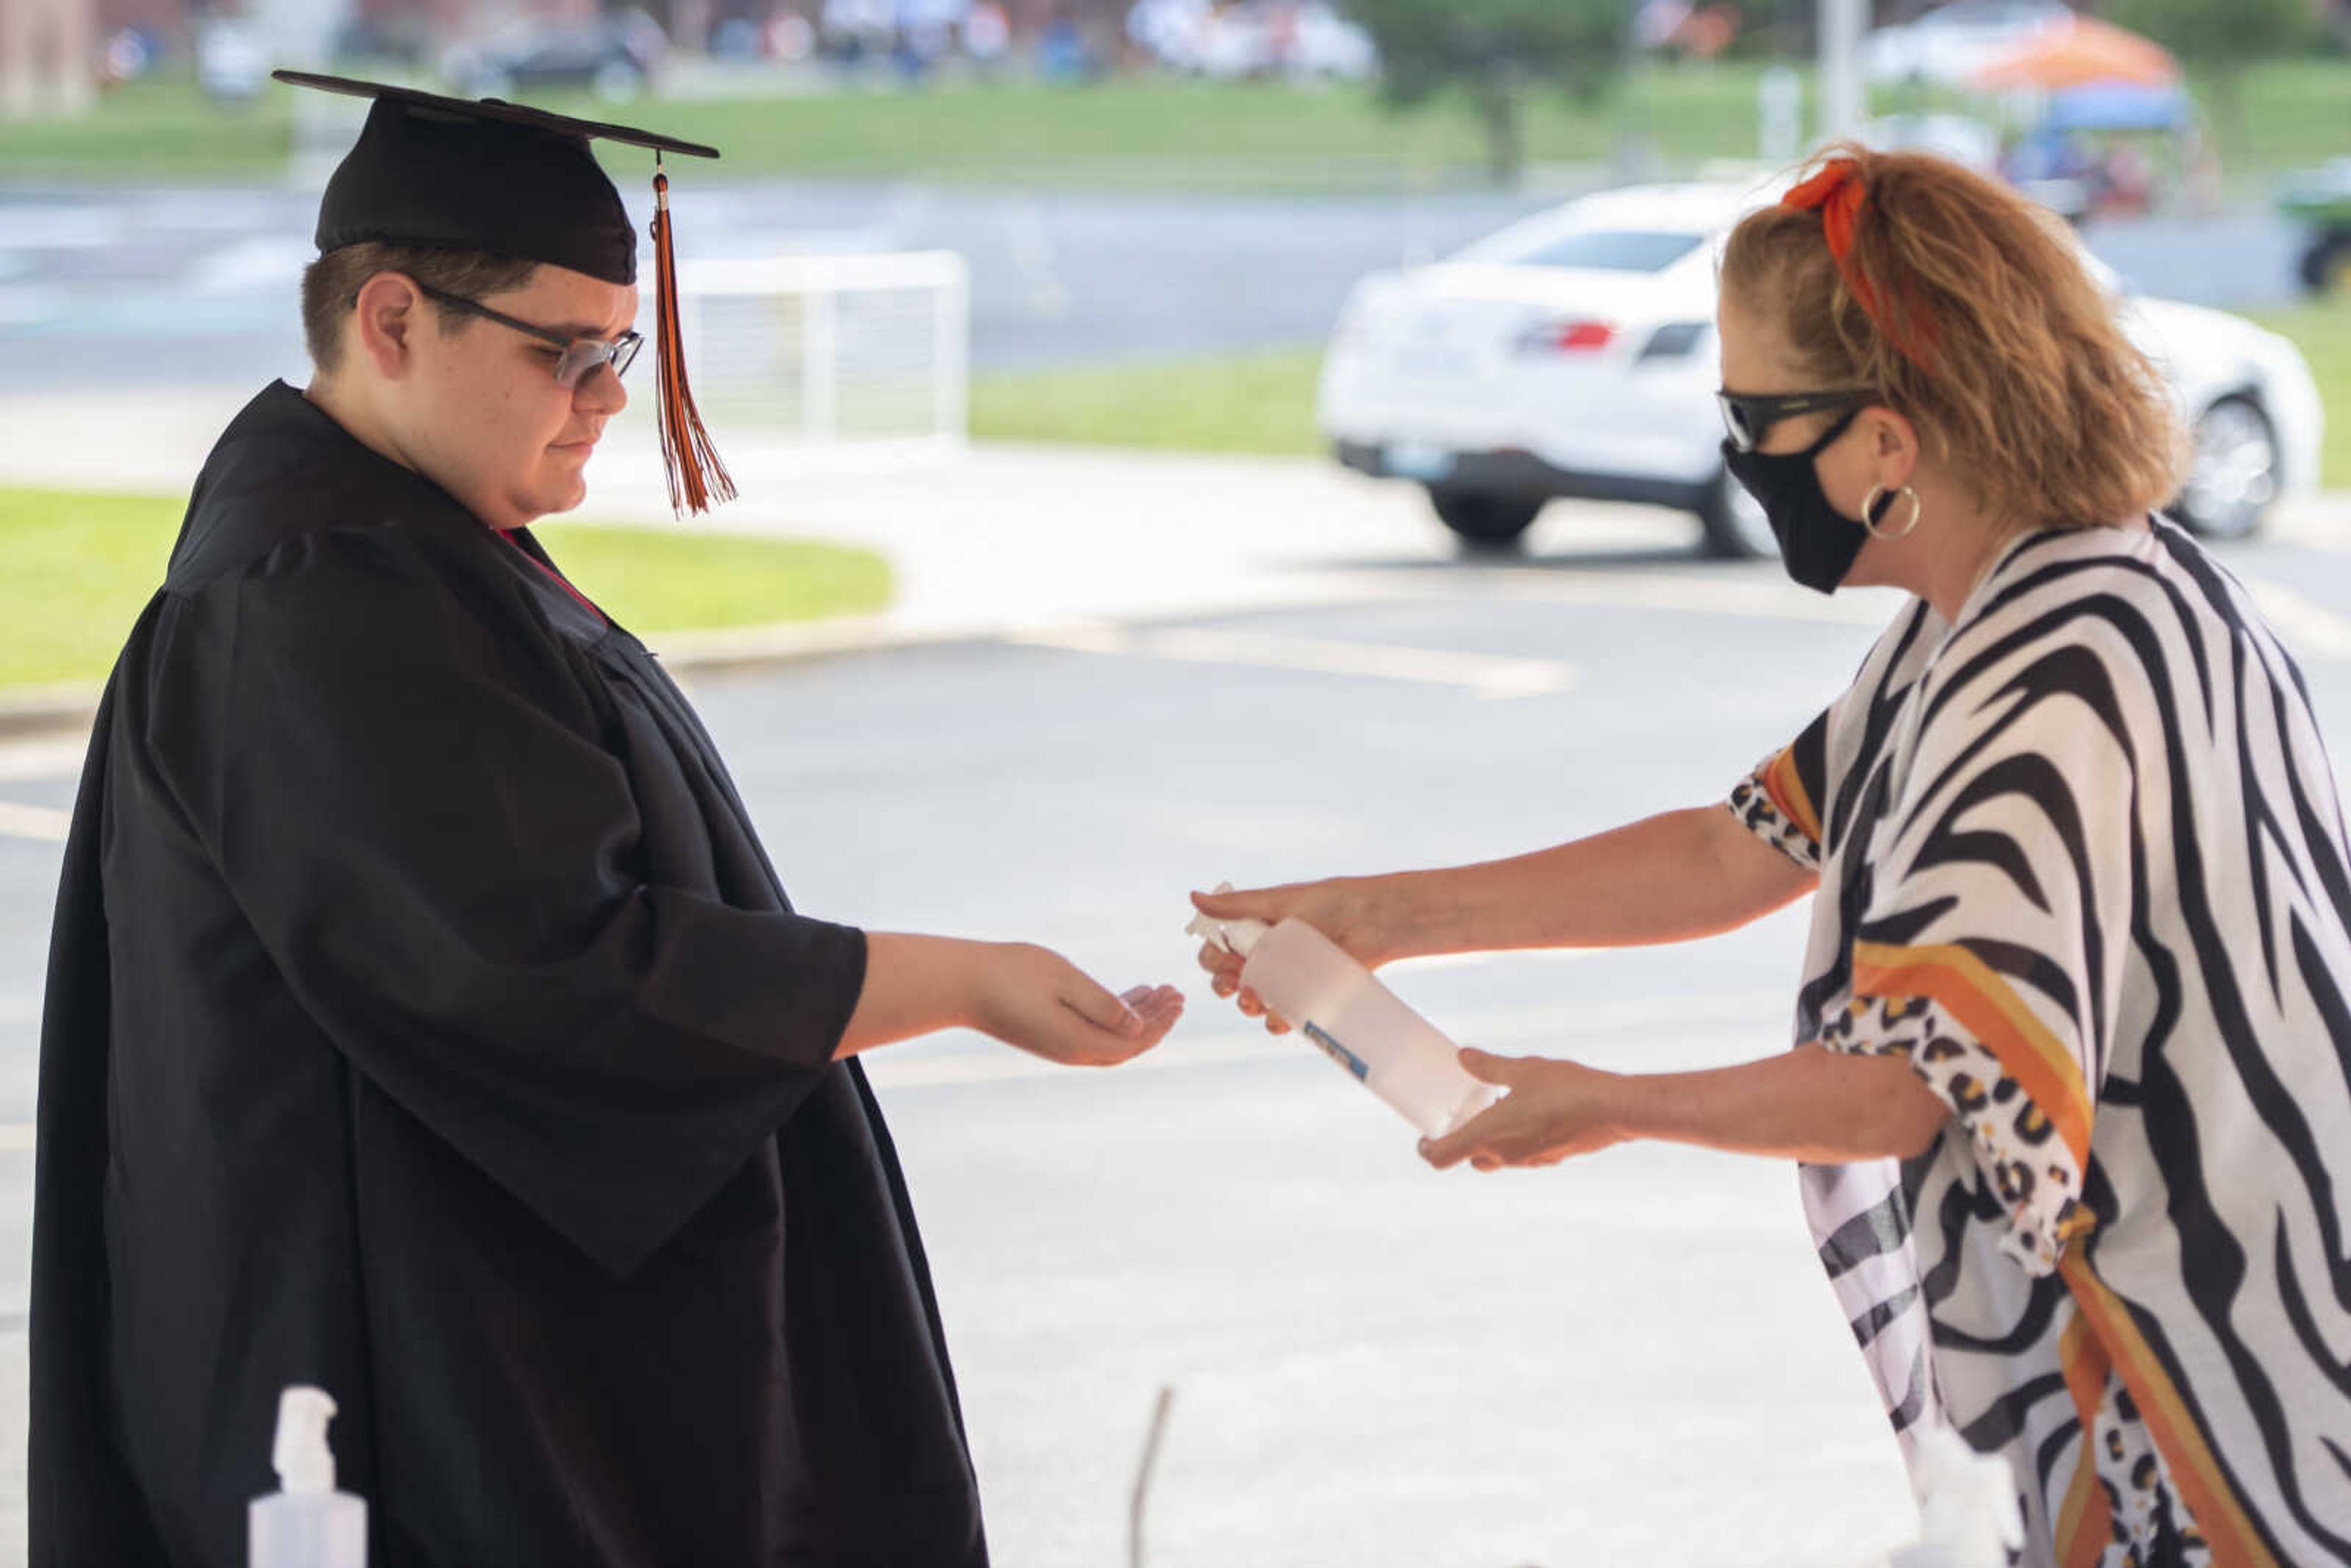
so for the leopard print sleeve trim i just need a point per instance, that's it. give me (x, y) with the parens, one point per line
(2014, 1145)
(1760, 812)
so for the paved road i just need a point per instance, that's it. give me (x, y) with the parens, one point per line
(1630, 1360)
(185, 287)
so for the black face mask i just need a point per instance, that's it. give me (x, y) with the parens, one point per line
(1817, 542)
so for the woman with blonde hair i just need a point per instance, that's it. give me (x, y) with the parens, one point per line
(2071, 1084)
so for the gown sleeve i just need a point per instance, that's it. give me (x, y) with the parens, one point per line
(411, 804)
(2003, 890)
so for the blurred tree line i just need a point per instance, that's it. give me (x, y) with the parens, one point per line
(1492, 55)
(2223, 38)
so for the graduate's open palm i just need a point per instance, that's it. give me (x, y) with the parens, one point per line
(1040, 1001)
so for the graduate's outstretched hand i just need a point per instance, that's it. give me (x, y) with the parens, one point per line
(1033, 997)
(1345, 909)
(1554, 1111)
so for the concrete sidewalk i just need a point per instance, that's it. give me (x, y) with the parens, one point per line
(993, 540)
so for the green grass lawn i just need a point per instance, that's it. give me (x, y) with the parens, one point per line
(81, 566)
(153, 130)
(1256, 403)
(2323, 331)
(1264, 402)
(1139, 131)
(1152, 132)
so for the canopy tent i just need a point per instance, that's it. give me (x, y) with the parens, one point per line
(2118, 106)
(2080, 53)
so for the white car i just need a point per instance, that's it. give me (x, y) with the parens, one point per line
(1950, 43)
(1573, 354)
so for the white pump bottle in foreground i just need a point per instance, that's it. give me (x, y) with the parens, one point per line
(1353, 1019)
(306, 1523)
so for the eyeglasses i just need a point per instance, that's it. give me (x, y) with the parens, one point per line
(1748, 417)
(581, 355)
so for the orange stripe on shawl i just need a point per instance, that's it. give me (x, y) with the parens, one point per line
(1786, 787)
(1969, 990)
(2204, 1490)
(2084, 1524)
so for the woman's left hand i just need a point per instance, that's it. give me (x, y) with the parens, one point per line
(1554, 1110)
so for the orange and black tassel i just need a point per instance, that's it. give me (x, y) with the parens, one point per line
(698, 480)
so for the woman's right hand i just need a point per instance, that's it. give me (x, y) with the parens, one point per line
(1352, 911)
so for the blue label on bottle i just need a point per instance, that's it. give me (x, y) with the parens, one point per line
(1337, 1052)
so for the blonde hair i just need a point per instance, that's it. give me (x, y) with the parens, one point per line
(1968, 309)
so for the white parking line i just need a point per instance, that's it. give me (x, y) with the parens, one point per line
(1488, 676)
(2311, 631)
(1693, 594)
(2319, 523)
(34, 823)
(28, 760)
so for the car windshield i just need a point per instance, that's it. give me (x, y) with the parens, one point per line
(1597, 250)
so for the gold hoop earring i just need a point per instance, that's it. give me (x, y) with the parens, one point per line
(1869, 513)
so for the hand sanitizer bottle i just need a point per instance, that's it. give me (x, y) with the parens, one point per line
(1353, 1019)
(306, 1523)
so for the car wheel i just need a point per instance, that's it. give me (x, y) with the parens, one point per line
(2233, 471)
(1485, 522)
(2326, 265)
(1736, 528)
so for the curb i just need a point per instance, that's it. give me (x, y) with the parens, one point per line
(50, 713)
(58, 712)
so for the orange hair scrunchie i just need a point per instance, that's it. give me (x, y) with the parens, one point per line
(1837, 192)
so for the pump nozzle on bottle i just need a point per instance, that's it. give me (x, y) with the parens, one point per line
(304, 1462)
(1235, 936)
(305, 1523)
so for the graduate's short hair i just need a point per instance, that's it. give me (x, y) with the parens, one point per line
(1969, 309)
(331, 285)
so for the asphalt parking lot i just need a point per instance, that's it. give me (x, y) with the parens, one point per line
(1631, 1360)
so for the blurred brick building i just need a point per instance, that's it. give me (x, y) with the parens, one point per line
(434, 22)
(47, 48)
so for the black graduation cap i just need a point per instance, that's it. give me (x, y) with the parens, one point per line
(487, 175)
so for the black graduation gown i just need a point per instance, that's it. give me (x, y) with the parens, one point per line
(424, 1021)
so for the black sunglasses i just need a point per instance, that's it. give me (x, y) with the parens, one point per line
(1749, 416)
(581, 355)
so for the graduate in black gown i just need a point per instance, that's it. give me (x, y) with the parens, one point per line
(425, 1020)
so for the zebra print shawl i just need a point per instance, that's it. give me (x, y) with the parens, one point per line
(2083, 865)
